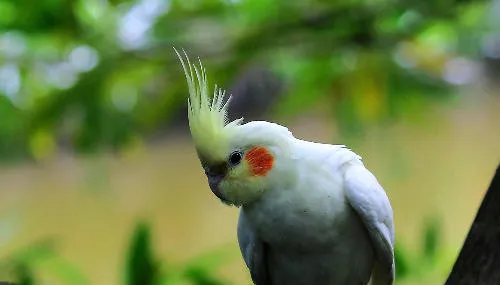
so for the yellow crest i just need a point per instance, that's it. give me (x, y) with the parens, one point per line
(208, 122)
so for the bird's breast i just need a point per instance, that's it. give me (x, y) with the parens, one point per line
(313, 239)
(304, 217)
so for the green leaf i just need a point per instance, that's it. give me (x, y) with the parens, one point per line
(63, 270)
(24, 275)
(141, 266)
(203, 277)
(8, 12)
(402, 261)
(431, 239)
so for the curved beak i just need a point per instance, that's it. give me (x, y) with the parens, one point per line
(215, 174)
(213, 182)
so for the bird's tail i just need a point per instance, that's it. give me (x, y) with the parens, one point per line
(383, 276)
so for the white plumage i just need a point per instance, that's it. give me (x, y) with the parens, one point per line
(332, 226)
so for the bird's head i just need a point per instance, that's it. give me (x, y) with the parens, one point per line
(241, 161)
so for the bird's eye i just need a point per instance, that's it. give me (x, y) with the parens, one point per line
(235, 158)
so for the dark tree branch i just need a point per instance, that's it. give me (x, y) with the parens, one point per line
(479, 260)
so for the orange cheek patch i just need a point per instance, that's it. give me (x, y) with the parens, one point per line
(260, 161)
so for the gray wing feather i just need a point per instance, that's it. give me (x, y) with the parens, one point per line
(253, 250)
(369, 200)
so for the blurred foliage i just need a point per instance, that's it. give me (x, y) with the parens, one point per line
(432, 262)
(141, 265)
(39, 258)
(88, 75)
(25, 276)
(431, 239)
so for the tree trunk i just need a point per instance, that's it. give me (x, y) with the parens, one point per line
(479, 260)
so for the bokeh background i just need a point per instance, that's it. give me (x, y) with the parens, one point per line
(99, 181)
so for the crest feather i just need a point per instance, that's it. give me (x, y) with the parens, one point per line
(208, 119)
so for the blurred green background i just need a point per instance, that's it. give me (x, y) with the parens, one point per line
(99, 181)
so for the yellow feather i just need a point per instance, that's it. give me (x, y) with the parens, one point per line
(207, 117)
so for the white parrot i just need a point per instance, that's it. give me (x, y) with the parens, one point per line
(310, 213)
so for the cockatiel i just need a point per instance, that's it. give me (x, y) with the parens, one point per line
(310, 213)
